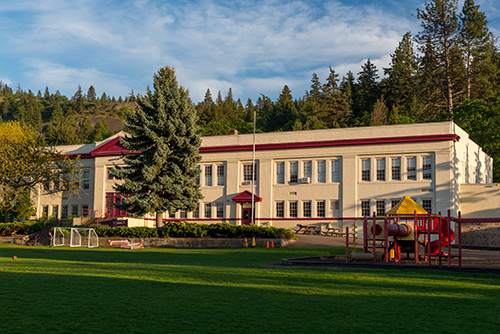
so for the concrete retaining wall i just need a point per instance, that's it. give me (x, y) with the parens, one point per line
(485, 235)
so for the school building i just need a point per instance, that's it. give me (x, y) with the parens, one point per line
(306, 177)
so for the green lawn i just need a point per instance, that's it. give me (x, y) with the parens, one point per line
(65, 290)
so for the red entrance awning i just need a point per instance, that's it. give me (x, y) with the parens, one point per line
(246, 197)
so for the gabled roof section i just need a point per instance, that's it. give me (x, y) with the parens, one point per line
(406, 206)
(246, 197)
(112, 147)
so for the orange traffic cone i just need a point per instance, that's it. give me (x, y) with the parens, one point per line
(245, 244)
(272, 243)
(267, 246)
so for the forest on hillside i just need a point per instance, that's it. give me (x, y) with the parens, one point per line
(449, 70)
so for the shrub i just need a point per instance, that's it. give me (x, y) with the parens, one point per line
(21, 228)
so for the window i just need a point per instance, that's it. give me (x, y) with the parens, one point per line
(64, 212)
(74, 210)
(365, 208)
(396, 169)
(208, 210)
(427, 168)
(293, 209)
(308, 169)
(411, 168)
(108, 173)
(381, 208)
(280, 173)
(219, 210)
(220, 175)
(306, 209)
(381, 169)
(365, 170)
(45, 211)
(320, 209)
(247, 172)
(427, 204)
(208, 175)
(294, 171)
(86, 179)
(336, 170)
(321, 171)
(183, 214)
(280, 209)
(55, 211)
(197, 179)
(171, 214)
(335, 207)
(196, 212)
(394, 202)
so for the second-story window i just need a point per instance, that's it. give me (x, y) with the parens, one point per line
(220, 175)
(396, 169)
(427, 168)
(411, 168)
(247, 172)
(336, 170)
(321, 171)
(280, 173)
(86, 179)
(308, 169)
(208, 175)
(365, 170)
(381, 169)
(294, 172)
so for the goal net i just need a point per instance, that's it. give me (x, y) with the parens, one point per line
(75, 237)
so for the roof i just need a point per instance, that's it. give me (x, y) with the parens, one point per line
(406, 206)
(246, 197)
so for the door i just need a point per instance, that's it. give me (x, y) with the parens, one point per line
(246, 218)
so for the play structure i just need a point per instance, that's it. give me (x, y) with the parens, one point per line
(409, 229)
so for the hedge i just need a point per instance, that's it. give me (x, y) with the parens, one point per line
(194, 230)
(21, 228)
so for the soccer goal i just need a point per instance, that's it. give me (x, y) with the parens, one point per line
(75, 237)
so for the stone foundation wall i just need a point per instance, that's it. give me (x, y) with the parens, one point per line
(485, 235)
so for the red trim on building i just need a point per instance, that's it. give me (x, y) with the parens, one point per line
(329, 143)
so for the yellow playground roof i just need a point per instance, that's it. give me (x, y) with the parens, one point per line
(406, 206)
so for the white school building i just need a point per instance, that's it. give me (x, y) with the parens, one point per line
(307, 177)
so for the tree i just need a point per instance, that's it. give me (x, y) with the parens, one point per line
(439, 28)
(367, 93)
(160, 176)
(91, 95)
(25, 166)
(334, 107)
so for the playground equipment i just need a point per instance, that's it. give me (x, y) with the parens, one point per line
(408, 228)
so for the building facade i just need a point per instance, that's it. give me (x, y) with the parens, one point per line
(306, 177)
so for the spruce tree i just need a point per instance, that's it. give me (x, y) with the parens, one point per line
(161, 175)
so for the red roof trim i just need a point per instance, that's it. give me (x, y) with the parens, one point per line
(246, 197)
(112, 147)
(329, 143)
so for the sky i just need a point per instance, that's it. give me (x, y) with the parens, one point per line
(253, 47)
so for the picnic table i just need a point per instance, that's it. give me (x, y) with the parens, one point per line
(334, 231)
(308, 229)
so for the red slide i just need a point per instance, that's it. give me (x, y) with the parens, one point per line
(443, 238)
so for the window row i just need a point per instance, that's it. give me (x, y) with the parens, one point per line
(381, 206)
(204, 210)
(308, 171)
(66, 211)
(306, 209)
(409, 168)
(211, 175)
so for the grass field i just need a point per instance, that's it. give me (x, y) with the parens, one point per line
(65, 290)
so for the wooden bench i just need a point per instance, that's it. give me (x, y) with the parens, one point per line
(334, 231)
(307, 229)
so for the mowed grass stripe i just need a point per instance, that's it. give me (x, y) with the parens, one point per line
(227, 291)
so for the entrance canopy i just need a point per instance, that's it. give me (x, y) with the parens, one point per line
(246, 197)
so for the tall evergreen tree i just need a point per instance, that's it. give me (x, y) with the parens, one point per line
(161, 175)
(439, 28)
(473, 40)
(367, 93)
(91, 95)
(334, 108)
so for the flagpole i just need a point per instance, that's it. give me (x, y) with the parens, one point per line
(253, 168)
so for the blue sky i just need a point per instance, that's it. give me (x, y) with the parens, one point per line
(254, 47)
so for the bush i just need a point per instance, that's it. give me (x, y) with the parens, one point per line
(22, 228)
(195, 230)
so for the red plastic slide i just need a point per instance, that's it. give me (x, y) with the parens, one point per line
(443, 238)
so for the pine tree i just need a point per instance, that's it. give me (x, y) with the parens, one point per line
(161, 175)
(334, 108)
(439, 28)
(367, 93)
(91, 96)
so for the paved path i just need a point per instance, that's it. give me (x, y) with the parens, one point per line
(306, 240)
